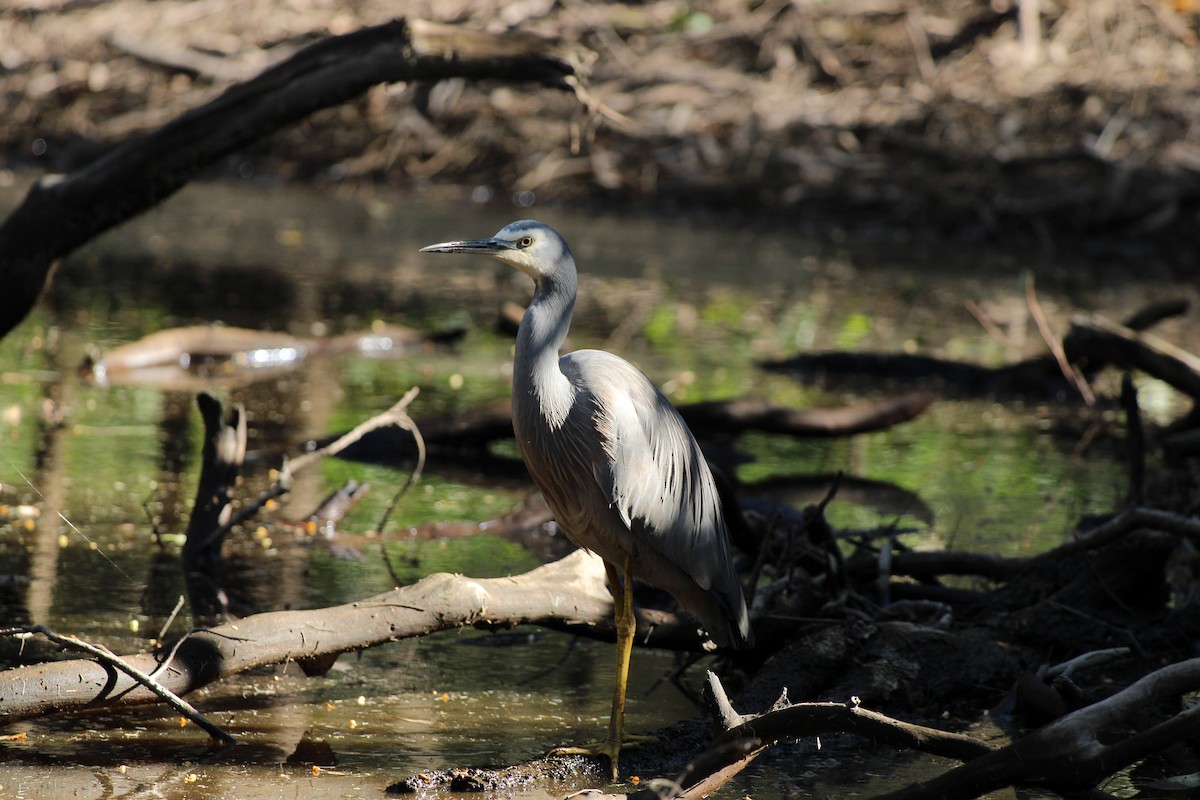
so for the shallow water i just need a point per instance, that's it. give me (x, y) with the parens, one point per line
(696, 305)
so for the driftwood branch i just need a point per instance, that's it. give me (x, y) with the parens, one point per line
(569, 595)
(60, 213)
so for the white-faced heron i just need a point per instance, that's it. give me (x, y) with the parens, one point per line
(615, 461)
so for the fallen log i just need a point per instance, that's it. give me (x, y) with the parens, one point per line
(1037, 378)
(199, 357)
(568, 595)
(1032, 379)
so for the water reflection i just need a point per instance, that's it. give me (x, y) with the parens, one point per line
(113, 469)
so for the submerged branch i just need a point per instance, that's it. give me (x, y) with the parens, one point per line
(223, 454)
(742, 415)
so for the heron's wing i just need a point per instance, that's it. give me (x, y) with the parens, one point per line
(651, 470)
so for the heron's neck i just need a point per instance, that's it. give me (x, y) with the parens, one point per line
(537, 376)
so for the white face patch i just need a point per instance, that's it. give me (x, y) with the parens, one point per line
(522, 260)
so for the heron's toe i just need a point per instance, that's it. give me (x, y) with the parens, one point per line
(608, 748)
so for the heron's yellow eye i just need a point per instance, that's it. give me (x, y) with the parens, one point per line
(525, 241)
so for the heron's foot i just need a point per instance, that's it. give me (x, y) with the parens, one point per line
(608, 748)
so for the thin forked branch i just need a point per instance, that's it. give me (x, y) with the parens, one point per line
(109, 659)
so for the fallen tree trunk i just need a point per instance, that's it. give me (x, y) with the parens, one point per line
(568, 595)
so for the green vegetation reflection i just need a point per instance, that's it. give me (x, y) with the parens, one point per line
(993, 481)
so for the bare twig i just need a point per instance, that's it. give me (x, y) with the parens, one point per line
(104, 656)
(162, 633)
(402, 420)
(984, 319)
(1056, 347)
(396, 415)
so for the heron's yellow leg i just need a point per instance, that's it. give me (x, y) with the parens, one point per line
(626, 624)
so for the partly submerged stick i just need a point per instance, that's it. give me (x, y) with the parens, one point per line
(104, 656)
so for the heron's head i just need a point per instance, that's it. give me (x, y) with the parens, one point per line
(531, 246)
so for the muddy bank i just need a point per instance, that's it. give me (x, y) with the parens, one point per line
(965, 120)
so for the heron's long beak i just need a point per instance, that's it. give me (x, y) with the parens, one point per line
(488, 247)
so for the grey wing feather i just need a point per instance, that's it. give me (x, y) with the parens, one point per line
(654, 476)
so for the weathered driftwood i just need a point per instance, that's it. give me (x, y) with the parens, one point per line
(571, 595)
(568, 595)
(201, 357)
(61, 212)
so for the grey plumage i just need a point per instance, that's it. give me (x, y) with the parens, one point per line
(615, 461)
